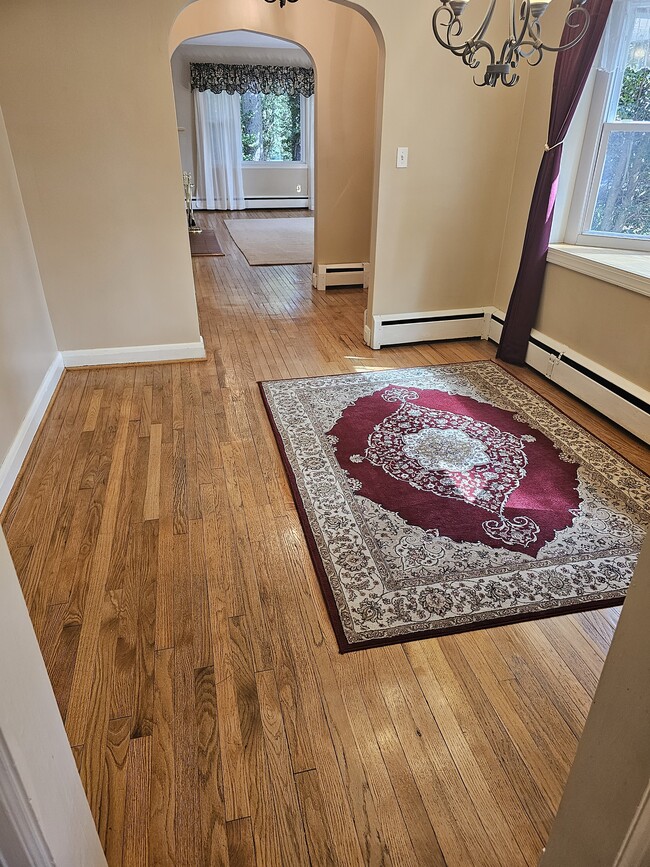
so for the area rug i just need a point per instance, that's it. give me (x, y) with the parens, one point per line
(448, 498)
(281, 241)
(205, 243)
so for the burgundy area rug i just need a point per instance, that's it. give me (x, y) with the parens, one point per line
(442, 499)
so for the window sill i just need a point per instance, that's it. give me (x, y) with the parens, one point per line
(627, 268)
(274, 164)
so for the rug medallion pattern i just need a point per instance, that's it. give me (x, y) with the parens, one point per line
(441, 499)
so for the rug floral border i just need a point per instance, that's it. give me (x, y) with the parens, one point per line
(552, 609)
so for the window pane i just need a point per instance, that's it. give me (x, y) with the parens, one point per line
(634, 101)
(623, 202)
(271, 127)
(251, 127)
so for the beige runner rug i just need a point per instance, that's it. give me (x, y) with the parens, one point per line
(280, 241)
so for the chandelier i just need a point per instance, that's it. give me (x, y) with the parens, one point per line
(524, 40)
(283, 3)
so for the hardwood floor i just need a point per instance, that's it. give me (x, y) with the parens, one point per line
(171, 589)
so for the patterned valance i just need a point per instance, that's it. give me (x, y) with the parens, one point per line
(236, 78)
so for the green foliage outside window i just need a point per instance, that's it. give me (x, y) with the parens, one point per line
(634, 102)
(271, 127)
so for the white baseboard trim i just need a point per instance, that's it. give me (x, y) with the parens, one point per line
(13, 461)
(262, 204)
(389, 329)
(279, 202)
(620, 400)
(134, 354)
(348, 274)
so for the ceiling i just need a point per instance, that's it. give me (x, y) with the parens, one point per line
(242, 39)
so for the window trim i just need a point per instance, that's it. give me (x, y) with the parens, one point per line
(593, 152)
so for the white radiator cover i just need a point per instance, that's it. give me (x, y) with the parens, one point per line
(348, 274)
(620, 400)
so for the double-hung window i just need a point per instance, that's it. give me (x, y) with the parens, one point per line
(611, 203)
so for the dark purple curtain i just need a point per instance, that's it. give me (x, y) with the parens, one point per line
(571, 72)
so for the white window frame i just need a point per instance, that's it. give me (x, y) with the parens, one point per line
(600, 125)
(281, 164)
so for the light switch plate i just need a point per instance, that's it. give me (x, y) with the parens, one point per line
(402, 158)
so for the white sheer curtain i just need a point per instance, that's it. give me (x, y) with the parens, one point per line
(309, 142)
(219, 182)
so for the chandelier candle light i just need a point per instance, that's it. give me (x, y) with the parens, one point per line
(523, 42)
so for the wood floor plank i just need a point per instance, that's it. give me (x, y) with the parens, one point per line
(214, 838)
(111, 831)
(162, 837)
(241, 846)
(138, 794)
(245, 751)
(312, 798)
(293, 844)
(189, 646)
(152, 493)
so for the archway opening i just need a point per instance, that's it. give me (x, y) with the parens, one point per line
(347, 58)
(245, 107)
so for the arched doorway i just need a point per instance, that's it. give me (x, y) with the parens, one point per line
(347, 59)
(245, 108)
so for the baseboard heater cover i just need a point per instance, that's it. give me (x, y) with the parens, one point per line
(622, 401)
(284, 202)
(390, 329)
(354, 275)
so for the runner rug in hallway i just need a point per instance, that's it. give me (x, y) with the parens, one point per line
(443, 499)
(274, 241)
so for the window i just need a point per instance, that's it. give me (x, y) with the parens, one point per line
(271, 128)
(613, 207)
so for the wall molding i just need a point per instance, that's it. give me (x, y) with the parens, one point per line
(15, 457)
(134, 354)
(356, 274)
(620, 400)
(24, 836)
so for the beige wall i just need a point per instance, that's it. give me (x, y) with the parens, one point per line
(611, 772)
(441, 221)
(86, 92)
(345, 55)
(27, 345)
(603, 322)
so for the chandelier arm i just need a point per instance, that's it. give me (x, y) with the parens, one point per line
(576, 10)
(535, 55)
(470, 59)
(467, 50)
(480, 33)
(526, 24)
(453, 27)
(509, 81)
